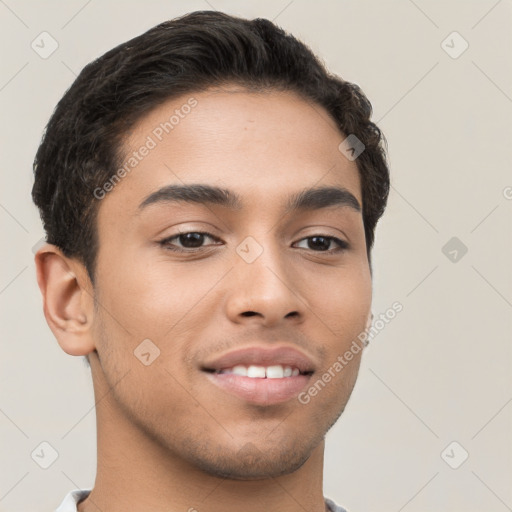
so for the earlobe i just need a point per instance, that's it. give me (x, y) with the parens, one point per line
(67, 299)
(369, 321)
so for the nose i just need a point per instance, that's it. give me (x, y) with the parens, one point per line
(264, 292)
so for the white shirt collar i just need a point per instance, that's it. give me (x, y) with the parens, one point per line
(69, 504)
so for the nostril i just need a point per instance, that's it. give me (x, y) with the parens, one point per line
(249, 313)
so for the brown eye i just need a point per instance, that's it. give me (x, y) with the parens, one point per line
(187, 241)
(321, 243)
(191, 240)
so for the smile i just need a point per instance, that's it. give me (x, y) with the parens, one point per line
(262, 372)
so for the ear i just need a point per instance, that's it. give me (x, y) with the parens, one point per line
(369, 321)
(68, 303)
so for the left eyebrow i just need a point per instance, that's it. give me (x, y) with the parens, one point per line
(322, 197)
(307, 199)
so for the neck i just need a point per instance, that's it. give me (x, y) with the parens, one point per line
(135, 472)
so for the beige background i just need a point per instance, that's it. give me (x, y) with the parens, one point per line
(439, 372)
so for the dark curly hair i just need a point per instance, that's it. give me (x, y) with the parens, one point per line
(82, 144)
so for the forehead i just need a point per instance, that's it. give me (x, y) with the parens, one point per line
(264, 145)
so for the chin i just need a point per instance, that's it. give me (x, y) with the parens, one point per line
(251, 462)
(253, 466)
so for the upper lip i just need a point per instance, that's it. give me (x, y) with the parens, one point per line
(262, 356)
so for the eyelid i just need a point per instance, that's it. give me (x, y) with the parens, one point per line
(165, 241)
(343, 245)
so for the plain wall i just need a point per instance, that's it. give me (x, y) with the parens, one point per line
(439, 372)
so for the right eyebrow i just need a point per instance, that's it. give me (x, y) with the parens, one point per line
(195, 193)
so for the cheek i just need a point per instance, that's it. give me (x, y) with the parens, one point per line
(342, 304)
(148, 300)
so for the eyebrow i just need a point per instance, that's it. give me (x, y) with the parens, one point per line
(308, 199)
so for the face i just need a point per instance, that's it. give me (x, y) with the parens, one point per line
(184, 285)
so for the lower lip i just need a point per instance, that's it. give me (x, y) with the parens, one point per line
(260, 391)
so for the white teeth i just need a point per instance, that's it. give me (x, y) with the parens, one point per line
(239, 370)
(275, 372)
(260, 372)
(256, 371)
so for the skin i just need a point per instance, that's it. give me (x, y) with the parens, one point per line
(168, 439)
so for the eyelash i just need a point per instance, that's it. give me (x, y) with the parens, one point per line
(165, 243)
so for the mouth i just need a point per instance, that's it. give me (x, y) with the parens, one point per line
(261, 372)
(260, 375)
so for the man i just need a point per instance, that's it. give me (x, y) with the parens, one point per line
(210, 195)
